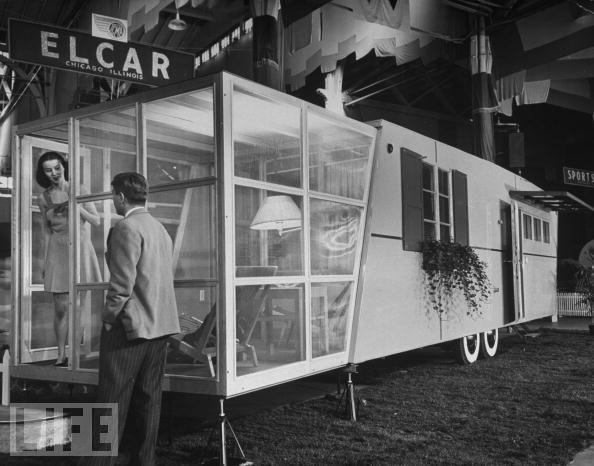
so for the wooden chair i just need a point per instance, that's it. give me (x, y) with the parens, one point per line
(250, 304)
(250, 300)
(198, 339)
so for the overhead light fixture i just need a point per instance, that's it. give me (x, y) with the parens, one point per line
(277, 213)
(177, 24)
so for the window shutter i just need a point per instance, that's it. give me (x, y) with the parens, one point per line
(412, 200)
(460, 194)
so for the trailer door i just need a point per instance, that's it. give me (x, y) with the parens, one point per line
(508, 265)
(35, 307)
(517, 263)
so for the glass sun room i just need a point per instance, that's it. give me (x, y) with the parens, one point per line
(265, 199)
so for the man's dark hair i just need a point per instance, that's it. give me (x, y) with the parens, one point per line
(132, 185)
(40, 175)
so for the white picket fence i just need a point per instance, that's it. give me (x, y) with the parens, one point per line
(571, 304)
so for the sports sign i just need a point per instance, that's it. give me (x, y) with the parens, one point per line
(578, 177)
(66, 49)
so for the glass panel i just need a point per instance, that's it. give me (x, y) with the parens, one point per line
(527, 220)
(334, 233)
(428, 177)
(57, 133)
(444, 210)
(537, 230)
(194, 350)
(92, 239)
(39, 331)
(189, 217)
(338, 158)
(92, 267)
(329, 317)
(5, 290)
(428, 206)
(429, 232)
(88, 324)
(37, 246)
(266, 139)
(444, 232)
(107, 147)
(180, 137)
(269, 329)
(273, 246)
(56, 232)
(546, 233)
(444, 187)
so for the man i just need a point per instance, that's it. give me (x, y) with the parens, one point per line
(140, 312)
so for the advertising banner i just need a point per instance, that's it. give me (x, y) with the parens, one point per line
(66, 49)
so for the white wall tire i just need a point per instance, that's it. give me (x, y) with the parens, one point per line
(489, 343)
(467, 349)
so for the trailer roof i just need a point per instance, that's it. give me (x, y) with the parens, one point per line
(561, 201)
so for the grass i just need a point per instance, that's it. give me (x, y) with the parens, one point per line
(533, 404)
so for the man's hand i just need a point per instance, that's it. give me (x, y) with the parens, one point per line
(107, 326)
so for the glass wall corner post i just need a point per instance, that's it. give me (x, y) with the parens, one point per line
(141, 141)
(16, 274)
(306, 229)
(73, 236)
(224, 141)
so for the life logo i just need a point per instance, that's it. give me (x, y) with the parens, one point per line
(106, 27)
(64, 429)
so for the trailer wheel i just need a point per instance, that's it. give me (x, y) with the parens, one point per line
(489, 343)
(467, 349)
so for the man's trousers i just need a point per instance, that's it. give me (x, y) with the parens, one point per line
(131, 374)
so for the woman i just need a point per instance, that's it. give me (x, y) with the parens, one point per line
(52, 174)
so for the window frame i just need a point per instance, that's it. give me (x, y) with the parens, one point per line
(436, 195)
(413, 191)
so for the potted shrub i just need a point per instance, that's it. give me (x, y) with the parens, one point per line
(450, 267)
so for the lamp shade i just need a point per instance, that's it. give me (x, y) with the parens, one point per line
(277, 213)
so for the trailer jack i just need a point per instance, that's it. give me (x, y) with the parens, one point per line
(221, 426)
(349, 396)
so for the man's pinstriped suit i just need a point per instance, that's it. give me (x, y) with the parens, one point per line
(140, 312)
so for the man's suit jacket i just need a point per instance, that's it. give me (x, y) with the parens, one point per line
(141, 295)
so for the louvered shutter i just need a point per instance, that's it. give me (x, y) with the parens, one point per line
(412, 200)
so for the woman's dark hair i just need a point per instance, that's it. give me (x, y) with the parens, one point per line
(40, 175)
(132, 185)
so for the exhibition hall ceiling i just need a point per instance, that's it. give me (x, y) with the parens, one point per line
(410, 71)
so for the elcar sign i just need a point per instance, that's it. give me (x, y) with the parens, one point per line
(66, 49)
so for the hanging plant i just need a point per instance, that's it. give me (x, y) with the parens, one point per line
(449, 267)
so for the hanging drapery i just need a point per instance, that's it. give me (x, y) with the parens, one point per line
(330, 33)
(144, 13)
(545, 58)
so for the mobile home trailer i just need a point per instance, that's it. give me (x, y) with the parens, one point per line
(424, 189)
(296, 232)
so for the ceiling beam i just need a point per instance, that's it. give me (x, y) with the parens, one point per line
(414, 111)
(437, 90)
